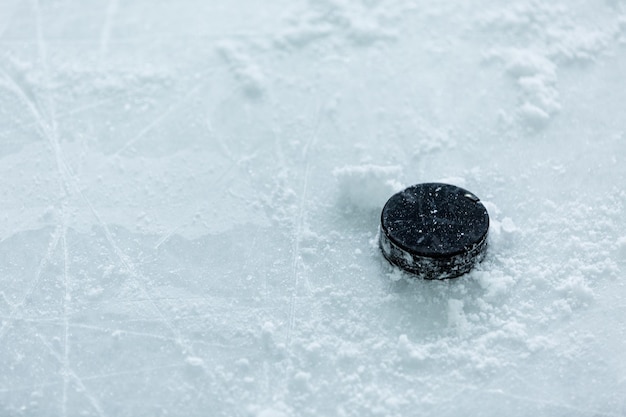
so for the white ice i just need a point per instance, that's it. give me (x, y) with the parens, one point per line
(190, 193)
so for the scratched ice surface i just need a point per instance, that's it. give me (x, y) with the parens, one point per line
(190, 193)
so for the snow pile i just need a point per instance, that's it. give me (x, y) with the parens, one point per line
(360, 24)
(367, 187)
(249, 75)
(553, 38)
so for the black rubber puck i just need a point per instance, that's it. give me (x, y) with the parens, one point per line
(434, 230)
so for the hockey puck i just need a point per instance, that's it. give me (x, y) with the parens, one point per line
(434, 230)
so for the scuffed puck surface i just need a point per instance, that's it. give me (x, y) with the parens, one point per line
(434, 230)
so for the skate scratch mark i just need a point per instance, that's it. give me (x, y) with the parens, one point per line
(295, 263)
(279, 151)
(217, 181)
(144, 39)
(276, 131)
(71, 183)
(583, 411)
(296, 260)
(44, 262)
(79, 382)
(93, 377)
(124, 332)
(24, 125)
(158, 119)
(113, 331)
(66, 308)
(166, 237)
(53, 320)
(28, 101)
(211, 302)
(220, 141)
(105, 34)
(51, 133)
(130, 267)
(61, 115)
(138, 278)
(133, 372)
(31, 388)
(138, 281)
(3, 296)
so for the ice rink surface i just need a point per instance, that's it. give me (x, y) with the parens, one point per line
(191, 193)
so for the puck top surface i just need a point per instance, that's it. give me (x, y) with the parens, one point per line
(435, 220)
